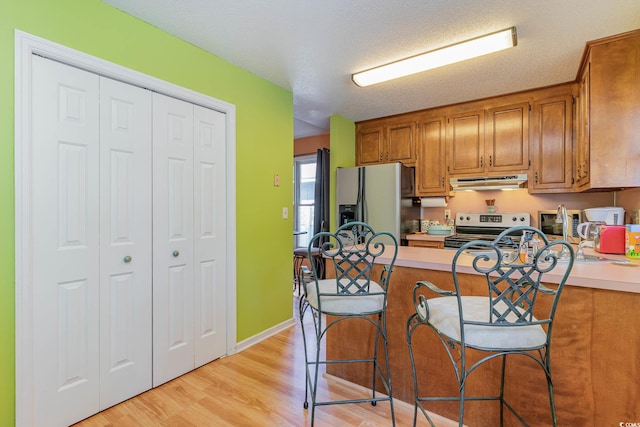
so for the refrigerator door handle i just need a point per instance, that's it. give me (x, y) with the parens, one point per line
(361, 212)
(363, 198)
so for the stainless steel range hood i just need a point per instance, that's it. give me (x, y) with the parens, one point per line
(504, 182)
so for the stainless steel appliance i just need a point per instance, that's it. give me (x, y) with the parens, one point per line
(548, 225)
(380, 195)
(486, 226)
(480, 183)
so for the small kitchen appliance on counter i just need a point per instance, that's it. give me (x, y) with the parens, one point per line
(609, 215)
(611, 239)
(553, 230)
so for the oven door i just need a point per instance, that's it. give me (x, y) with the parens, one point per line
(458, 240)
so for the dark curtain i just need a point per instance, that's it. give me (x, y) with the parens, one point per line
(321, 200)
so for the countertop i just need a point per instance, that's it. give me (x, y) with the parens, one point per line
(597, 275)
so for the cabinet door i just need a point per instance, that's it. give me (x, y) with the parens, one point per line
(551, 145)
(426, 244)
(465, 143)
(370, 146)
(431, 171)
(582, 140)
(400, 143)
(507, 138)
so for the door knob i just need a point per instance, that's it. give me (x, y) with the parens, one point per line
(176, 254)
(127, 259)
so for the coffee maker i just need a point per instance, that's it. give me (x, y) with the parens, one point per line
(609, 215)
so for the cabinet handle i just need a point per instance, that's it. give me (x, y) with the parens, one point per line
(481, 161)
(490, 161)
(536, 177)
(175, 254)
(380, 156)
(442, 181)
(127, 259)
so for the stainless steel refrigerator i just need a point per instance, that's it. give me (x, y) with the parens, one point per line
(380, 195)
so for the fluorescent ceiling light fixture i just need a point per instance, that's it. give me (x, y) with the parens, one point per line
(437, 58)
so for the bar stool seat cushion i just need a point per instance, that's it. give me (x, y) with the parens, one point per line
(304, 252)
(339, 303)
(443, 314)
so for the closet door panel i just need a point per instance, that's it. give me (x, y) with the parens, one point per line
(209, 235)
(125, 229)
(173, 299)
(65, 212)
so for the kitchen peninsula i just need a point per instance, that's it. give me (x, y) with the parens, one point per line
(595, 349)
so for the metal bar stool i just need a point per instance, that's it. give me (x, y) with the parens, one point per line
(353, 294)
(299, 257)
(507, 318)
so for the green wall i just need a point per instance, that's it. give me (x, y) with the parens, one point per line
(343, 153)
(264, 146)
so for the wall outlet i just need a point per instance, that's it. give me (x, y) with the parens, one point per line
(447, 214)
(285, 213)
(276, 180)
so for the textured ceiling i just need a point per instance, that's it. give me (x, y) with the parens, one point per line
(313, 47)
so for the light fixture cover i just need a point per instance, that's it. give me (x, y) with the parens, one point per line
(437, 58)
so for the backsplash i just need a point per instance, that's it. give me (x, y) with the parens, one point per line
(522, 201)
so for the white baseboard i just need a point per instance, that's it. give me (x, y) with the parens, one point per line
(245, 344)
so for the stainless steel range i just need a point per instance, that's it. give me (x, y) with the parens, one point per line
(486, 226)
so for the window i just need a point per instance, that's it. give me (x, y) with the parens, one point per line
(303, 200)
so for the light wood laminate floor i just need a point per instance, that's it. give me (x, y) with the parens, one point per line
(260, 386)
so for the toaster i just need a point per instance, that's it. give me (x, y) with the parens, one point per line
(611, 239)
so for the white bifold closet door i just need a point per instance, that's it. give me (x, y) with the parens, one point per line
(91, 176)
(129, 237)
(189, 322)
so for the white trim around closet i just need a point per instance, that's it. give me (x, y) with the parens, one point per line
(27, 45)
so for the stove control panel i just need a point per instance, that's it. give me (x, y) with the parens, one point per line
(507, 219)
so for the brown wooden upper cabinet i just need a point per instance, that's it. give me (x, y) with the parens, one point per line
(608, 143)
(465, 143)
(431, 172)
(370, 145)
(495, 140)
(590, 143)
(401, 142)
(551, 145)
(386, 143)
